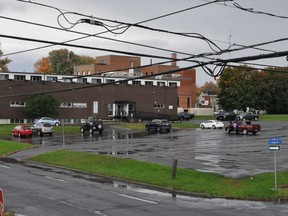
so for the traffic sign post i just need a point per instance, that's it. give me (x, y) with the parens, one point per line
(1, 203)
(274, 143)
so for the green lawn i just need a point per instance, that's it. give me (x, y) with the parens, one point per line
(258, 187)
(8, 147)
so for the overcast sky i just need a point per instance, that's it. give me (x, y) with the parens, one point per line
(221, 23)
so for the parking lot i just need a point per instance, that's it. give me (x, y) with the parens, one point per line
(207, 150)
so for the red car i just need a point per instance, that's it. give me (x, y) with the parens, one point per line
(22, 130)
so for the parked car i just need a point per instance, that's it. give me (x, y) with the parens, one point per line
(212, 124)
(243, 127)
(185, 116)
(159, 125)
(49, 120)
(247, 116)
(218, 112)
(22, 130)
(92, 124)
(227, 116)
(42, 128)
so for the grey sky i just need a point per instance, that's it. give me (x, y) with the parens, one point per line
(221, 23)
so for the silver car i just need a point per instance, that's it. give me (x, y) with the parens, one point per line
(42, 128)
(49, 120)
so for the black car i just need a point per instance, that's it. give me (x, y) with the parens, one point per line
(91, 125)
(159, 125)
(248, 116)
(227, 116)
(184, 116)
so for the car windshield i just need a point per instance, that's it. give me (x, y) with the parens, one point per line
(26, 127)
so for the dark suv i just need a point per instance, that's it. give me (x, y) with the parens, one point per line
(91, 125)
(159, 125)
(227, 116)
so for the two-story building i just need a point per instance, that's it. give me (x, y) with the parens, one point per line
(107, 97)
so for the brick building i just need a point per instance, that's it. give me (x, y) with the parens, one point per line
(80, 97)
(186, 95)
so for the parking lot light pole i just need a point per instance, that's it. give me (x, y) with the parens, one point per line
(63, 134)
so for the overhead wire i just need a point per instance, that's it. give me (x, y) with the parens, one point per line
(194, 56)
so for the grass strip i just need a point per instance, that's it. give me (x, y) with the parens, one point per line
(9, 147)
(258, 187)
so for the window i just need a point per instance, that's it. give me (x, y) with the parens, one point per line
(110, 80)
(19, 77)
(17, 104)
(51, 78)
(103, 62)
(110, 109)
(173, 84)
(4, 77)
(148, 83)
(158, 106)
(66, 105)
(123, 82)
(160, 83)
(188, 101)
(98, 81)
(136, 82)
(36, 78)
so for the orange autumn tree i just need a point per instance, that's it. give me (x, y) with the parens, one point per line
(43, 66)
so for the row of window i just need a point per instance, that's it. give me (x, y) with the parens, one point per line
(92, 80)
(62, 105)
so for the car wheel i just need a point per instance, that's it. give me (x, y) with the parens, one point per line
(158, 129)
(50, 134)
(147, 128)
(91, 131)
(213, 126)
(245, 132)
(202, 127)
(82, 130)
(255, 118)
(39, 133)
(56, 124)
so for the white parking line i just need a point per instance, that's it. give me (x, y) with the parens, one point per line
(139, 199)
(56, 179)
(3, 166)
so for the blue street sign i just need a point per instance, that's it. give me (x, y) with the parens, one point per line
(274, 141)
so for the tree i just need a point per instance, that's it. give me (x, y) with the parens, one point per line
(238, 89)
(83, 60)
(244, 87)
(4, 62)
(61, 62)
(278, 85)
(42, 105)
(210, 88)
(43, 66)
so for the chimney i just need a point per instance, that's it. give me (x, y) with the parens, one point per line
(173, 58)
